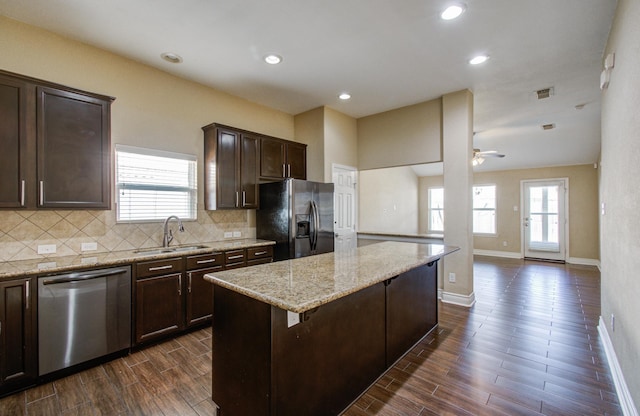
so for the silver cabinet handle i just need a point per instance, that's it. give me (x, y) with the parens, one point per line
(239, 256)
(153, 269)
(236, 198)
(22, 187)
(244, 198)
(259, 253)
(284, 172)
(206, 261)
(289, 170)
(179, 285)
(41, 192)
(27, 295)
(189, 288)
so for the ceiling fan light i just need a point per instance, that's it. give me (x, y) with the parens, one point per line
(477, 160)
(273, 59)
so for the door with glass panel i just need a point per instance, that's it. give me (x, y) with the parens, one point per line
(544, 219)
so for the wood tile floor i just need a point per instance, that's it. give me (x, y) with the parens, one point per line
(529, 346)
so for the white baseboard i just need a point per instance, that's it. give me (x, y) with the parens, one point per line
(584, 262)
(457, 299)
(512, 255)
(495, 253)
(624, 395)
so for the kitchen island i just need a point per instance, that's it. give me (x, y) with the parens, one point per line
(309, 335)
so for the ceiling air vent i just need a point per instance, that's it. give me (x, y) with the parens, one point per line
(548, 126)
(544, 93)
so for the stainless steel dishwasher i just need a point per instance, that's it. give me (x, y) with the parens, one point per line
(82, 316)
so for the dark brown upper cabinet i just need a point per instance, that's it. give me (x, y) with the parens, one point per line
(231, 167)
(281, 159)
(56, 146)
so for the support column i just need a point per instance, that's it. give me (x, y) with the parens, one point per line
(457, 145)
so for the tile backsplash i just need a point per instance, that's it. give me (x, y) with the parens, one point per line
(21, 232)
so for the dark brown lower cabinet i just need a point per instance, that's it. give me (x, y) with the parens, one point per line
(261, 366)
(17, 334)
(199, 296)
(411, 309)
(158, 306)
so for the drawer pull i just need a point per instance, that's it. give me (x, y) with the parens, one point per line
(153, 269)
(239, 256)
(205, 261)
(260, 253)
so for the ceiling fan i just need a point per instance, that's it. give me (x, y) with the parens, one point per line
(479, 156)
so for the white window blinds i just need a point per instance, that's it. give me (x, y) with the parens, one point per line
(152, 184)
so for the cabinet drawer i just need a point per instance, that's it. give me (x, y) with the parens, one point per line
(235, 258)
(259, 261)
(205, 260)
(158, 267)
(254, 253)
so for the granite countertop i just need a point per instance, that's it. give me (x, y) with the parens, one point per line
(302, 284)
(13, 269)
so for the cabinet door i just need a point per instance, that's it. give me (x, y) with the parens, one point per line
(17, 167)
(73, 150)
(296, 161)
(249, 171)
(158, 306)
(412, 309)
(272, 158)
(228, 172)
(199, 296)
(17, 334)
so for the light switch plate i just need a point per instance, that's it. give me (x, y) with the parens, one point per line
(228, 234)
(237, 234)
(89, 246)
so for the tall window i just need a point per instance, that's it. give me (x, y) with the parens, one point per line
(436, 209)
(484, 209)
(152, 185)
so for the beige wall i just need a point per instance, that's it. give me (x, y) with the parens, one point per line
(388, 201)
(405, 136)
(424, 183)
(309, 129)
(152, 109)
(583, 207)
(620, 170)
(341, 141)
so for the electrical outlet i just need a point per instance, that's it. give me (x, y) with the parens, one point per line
(237, 234)
(504, 243)
(228, 234)
(452, 277)
(46, 249)
(89, 246)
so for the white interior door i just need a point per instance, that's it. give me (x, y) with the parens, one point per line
(344, 180)
(544, 219)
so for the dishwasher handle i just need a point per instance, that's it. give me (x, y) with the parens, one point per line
(80, 276)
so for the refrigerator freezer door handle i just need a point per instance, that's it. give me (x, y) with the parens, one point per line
(316, 225)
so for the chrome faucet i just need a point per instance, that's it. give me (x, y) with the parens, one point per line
(168, 234)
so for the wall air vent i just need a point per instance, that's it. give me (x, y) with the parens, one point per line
(549, 126)
(544, 93)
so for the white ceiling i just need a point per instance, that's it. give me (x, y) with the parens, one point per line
(386, 53)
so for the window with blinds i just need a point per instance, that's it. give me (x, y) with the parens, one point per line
(152, 184)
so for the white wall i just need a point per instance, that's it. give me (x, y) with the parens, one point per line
(620, 192)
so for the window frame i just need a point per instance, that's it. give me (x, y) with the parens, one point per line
(494, 210)
(191, 189)
(430, 209)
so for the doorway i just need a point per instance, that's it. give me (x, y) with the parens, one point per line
(544, 219)
(345, 202)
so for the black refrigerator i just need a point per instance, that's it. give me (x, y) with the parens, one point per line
(298, 216)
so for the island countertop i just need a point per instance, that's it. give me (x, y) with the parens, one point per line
(306, 283)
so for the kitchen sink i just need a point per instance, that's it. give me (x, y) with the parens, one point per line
(162, 250)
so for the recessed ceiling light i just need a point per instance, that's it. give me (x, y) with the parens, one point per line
(453, 11)
(174, 58)
(478, 59)
(273, 59)
(344, 96)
